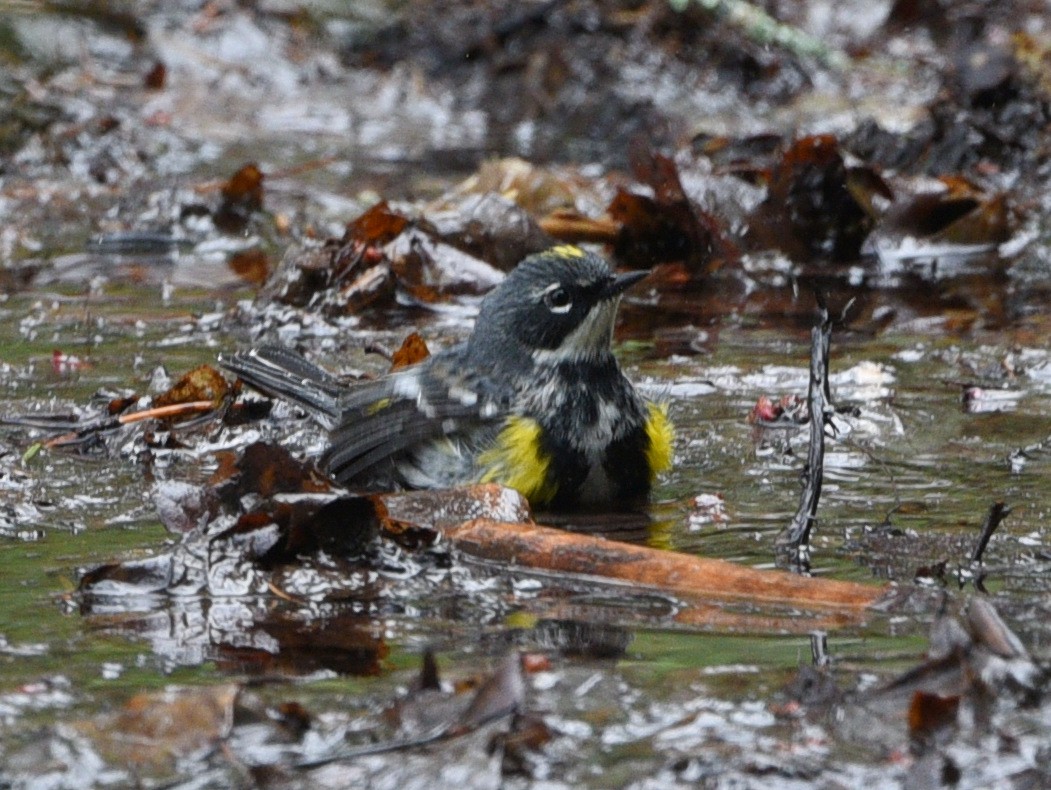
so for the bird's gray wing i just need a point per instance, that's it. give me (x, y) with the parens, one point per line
(414, 406)
(372, 421)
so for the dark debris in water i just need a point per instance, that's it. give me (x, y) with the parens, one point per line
(977, 685)
(803, 205)
(747, 171)
(977, 688)
(271, 510)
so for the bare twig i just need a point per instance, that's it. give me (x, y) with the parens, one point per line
(159, 412)
(797, 535)
(997, 513)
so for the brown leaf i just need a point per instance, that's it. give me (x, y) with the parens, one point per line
(413, 350)
(120, 405)
(929, 713)
(375, 285)
(570, 226)
(431, 269)
(927, 213)
(668, 227)
(154, 729)
(377, 226)
(488, 226)
(810, 209)
(203, 383)
(245, 186)
(252, 266)
(538, 190)
(156, 76)
(268, 469)
(242, 196)
(989, 222)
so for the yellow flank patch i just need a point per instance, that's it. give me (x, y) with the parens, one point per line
(568, 251)
(378, 406)
(517, 461)
(661, 435)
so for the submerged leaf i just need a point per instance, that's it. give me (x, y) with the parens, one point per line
(154, 729)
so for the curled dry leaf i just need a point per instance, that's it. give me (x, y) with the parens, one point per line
(242, 196)
(203, 383)
(412, 350)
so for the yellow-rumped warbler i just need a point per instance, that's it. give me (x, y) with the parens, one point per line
(534, 399)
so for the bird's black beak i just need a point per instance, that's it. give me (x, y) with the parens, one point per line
(622, 282)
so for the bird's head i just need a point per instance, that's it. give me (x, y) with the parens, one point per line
(557, 305)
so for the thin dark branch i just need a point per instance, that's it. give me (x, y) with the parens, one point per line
(797, 535)
(997, 513)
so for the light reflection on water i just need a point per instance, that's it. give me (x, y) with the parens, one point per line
(908, 483)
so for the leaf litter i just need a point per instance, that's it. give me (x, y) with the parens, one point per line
(929, 228)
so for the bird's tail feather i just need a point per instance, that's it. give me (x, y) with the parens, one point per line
(276, 370)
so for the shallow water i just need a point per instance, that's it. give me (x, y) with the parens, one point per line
(908, 482)
(106, 245)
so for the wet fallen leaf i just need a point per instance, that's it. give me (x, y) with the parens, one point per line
(786, 410)
(132, 577)
(430, 270)
(154, 729)
(118, 405)
(265, 510)
(946, 704)
(929, 713)
(183, 506)
(487, 226)
(252, 266)
(526, 737)
(810, 209)
(569, 225)
(378, 226)
(203, 383)
(303, 272)
(340, 526)
(373, 287)
(745, 157)
(538, 190)
(989, 222)
(957, 214)
(156, 76)
(242, 195)
(267, 469)
(412, 350)
(667, 227)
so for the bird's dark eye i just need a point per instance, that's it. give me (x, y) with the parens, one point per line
(558, 300)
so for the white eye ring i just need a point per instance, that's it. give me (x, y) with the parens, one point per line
(557, 299)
